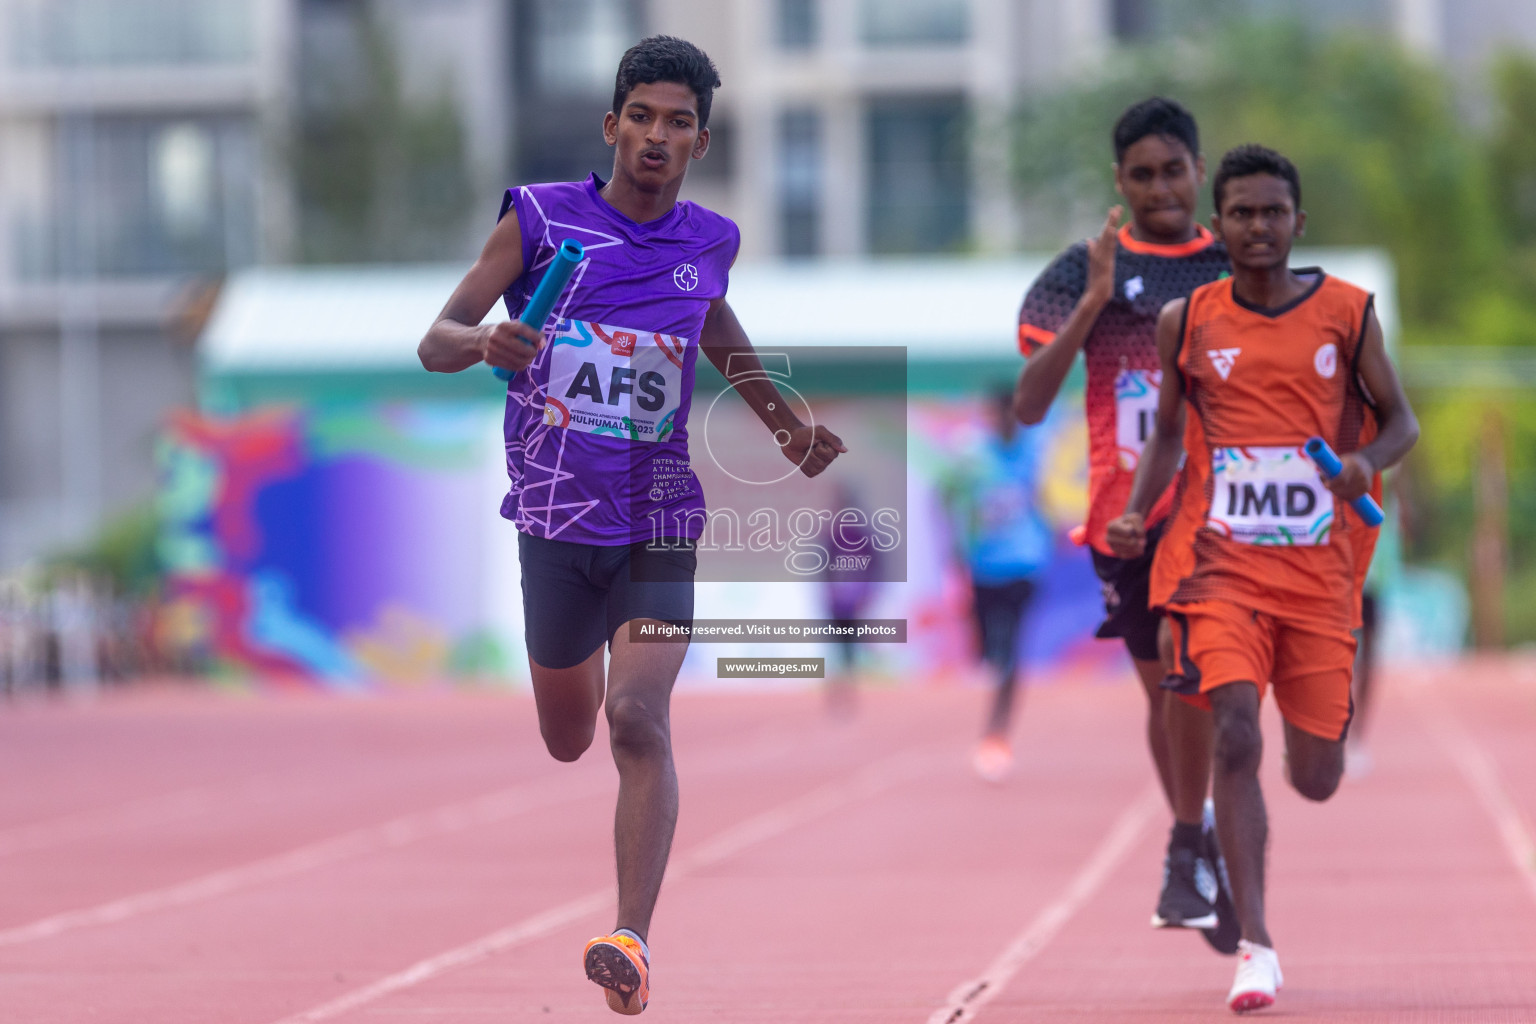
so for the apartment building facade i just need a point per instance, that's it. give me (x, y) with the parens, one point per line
(133, 138)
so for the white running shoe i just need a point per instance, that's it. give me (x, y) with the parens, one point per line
(1258, 978)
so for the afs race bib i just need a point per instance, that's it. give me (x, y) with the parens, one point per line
(614, 380)
(1135, 413)
(1268, 496)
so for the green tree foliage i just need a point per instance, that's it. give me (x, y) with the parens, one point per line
(1512, 162)
(379, 177)
(1384, 155)
(122, 555)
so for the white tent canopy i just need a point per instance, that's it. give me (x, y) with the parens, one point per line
(371, 317)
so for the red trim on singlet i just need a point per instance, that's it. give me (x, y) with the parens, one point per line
(1032, 337)
(1203, 239)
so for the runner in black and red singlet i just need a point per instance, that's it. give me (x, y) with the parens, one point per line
(1101, 297)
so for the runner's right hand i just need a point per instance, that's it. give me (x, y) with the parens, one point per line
(1127, 535)
(510, 344)
(1101, 259)
(1354, 479)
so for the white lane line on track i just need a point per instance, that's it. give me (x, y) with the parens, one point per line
(1481, 774)
(450, 818)
(490, 809)
(967, 999)
(137, 814)
(867, 783)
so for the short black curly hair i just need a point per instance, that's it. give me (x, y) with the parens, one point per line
(1252, 158)
(1156, 116)
(667, 59)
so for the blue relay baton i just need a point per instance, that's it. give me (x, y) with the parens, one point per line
(569, 255)
(1328, 462)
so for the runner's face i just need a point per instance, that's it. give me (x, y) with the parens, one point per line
(656, 133)
(1258, 220)
(1160, 180)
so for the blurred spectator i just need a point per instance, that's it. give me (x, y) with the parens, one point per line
(1005, 545)
(70, 631)
(76, 623)
(850, 588)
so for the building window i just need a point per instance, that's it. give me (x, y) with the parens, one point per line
(800, 183)
(87, 33)
(565, 53)
(797, 24)
(918, 175)
(914, 22)
(141, 196)
(1131, 20)
(576, 45)
(1136, 21)
(182, 182)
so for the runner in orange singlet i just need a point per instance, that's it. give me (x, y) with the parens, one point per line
(1270, 587)
(1101, 298)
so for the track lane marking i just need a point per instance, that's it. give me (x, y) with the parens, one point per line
(488, 809)
(1481, 774)
(967, 999)
(862, 785)
(136, 814)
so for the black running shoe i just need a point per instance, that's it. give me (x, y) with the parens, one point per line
(1224, 937)
(1189, 891)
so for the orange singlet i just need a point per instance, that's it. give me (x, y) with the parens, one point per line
(1261, 568)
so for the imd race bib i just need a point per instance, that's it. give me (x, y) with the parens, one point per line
(614, 380)
(1268, 496)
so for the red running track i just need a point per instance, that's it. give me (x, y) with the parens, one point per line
(185, 855)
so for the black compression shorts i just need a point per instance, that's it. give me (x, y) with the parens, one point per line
(576, 596)
(1127, 589)
(1000, 612)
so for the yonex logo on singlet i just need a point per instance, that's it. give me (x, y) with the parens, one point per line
(1222, 359)
(686, 277)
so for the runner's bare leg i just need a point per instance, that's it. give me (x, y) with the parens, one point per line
(640, 679)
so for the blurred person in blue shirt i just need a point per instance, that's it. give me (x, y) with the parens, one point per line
(1005, 545)
(850, 589)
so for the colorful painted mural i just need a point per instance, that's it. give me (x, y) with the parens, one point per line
(337, 544)
(356, 544)
(936, 599)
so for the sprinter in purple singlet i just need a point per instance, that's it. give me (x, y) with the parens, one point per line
(597, 446)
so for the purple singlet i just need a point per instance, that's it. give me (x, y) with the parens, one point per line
(597, 426)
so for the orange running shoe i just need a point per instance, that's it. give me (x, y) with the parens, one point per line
(620, 965)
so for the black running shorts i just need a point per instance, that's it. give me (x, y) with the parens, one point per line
(1368, 611)
(1127, 589)
(999, 612)
(576, 596)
